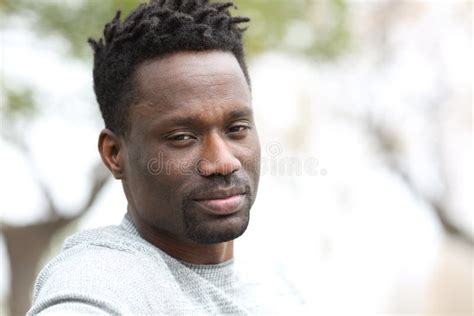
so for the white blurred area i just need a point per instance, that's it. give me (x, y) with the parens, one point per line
(356, 238)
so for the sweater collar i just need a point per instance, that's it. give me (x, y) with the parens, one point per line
(212, 272)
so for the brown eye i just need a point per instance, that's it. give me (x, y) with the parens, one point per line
(238, 128)
(181, 137)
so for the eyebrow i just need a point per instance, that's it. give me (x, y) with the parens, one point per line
(235, 114)
(187, 120)
(190, 120)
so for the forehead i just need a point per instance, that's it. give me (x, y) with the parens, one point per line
(190, 81)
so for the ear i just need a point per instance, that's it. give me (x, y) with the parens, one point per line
(112, 153)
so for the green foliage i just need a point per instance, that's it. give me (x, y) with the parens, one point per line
(18, 103)
(324, 23)
(269, 22)
(73, 21)
(17, 108)
(313, 28)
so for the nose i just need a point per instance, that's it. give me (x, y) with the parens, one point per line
(217, 158)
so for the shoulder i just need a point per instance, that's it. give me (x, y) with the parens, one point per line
(100, 265)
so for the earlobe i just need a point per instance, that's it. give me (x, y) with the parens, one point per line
(111, 152)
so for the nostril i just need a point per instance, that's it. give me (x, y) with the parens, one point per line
(217, 157)
(208, 168)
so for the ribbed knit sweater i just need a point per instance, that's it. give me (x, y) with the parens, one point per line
(113, 271)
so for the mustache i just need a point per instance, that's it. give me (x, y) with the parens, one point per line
(216, 183)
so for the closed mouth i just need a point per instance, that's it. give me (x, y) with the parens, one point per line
(221, 194)
(222, 202)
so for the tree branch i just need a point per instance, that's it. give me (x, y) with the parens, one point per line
(385, 141)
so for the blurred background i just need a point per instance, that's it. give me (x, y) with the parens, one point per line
(364, 111)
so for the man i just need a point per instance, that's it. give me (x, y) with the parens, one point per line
(174, 92)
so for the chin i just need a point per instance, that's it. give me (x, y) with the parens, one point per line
(206, 229)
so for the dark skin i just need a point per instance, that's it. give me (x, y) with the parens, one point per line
(191, 139)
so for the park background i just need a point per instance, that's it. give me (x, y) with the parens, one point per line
(364, 110)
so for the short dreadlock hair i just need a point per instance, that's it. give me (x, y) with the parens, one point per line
(156, 29)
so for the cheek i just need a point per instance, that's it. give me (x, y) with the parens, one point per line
(141, 164)
(251, 159)
(166, 173)
(148, 177)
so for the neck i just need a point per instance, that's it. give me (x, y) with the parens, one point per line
(185, 250)
(195, 253)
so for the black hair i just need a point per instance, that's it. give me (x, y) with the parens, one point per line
(155, 29)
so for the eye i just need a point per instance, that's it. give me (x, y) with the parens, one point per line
(180, 137)
(238, 129)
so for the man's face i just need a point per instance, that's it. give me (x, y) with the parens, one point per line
(192, 155)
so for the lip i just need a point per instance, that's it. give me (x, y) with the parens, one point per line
(222, 206)
(220, 194)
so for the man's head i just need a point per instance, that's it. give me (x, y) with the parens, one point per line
(174, 92)
(155, 30)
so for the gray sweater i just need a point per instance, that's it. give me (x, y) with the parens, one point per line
(113, 270)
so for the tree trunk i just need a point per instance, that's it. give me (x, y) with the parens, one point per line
(25, 246)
